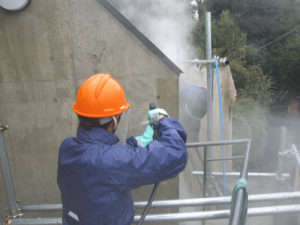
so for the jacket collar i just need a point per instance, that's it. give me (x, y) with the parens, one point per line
(96, 135)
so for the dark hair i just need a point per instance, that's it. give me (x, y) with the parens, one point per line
(89, 123)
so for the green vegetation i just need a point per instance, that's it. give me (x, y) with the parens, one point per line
(262, 42)
(272, 29)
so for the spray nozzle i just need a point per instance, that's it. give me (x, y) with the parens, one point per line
(152, 106)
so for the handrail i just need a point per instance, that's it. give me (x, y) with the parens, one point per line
(182, 202)
(218, 214)
(240, 193)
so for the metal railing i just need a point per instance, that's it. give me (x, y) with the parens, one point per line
(243, 174)
(192, 216)
(181, 202)
(14, 210)
(217, 214)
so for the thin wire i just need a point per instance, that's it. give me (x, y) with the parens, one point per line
(269, 43)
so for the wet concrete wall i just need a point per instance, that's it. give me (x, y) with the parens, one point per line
(47, 51)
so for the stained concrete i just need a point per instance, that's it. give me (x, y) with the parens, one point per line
(47, 51)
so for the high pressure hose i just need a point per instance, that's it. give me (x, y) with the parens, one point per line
(155, 188)
(148, 206)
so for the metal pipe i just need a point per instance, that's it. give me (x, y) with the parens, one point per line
(206, 166)
(226, 158)
(244, 171)
(221, 214)
(205, 169)
(283, 134)
(236, 174)
(200, 61)
(217, 187)
(219, 200)
(223, 61)
(7, 179)
(36, 221)
(183, 202)
(240, 193)
(215, 143)
(296, 153)
(43, 207)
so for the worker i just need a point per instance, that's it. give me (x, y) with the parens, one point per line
(96, 173)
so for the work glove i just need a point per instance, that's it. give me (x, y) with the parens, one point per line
(155, 115)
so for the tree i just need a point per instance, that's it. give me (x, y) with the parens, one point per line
(230, 41)
(268, 25)
(254, 88)
(283, 63)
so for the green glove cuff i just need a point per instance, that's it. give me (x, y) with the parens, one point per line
(146, 137)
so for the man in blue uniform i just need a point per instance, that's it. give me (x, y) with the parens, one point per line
(96, 173)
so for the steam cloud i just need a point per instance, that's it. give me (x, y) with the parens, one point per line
(167, 23)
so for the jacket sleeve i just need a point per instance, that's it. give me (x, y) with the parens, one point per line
(131, 166)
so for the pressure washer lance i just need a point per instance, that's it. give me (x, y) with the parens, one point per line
(155, 188)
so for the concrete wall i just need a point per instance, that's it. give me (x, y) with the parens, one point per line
(47, 51)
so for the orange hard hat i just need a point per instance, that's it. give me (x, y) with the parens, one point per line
(100, 96)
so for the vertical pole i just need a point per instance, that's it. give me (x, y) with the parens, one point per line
(297, 169)
(206, 169)
(280, 219)
(7, 179)
(283, 133)
(236, 219)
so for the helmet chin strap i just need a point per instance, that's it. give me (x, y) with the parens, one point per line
(115, 123)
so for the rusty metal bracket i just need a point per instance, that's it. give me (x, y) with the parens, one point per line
(19, 213)
(3, 128)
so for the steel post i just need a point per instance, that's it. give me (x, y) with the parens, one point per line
(240, 194)
(282, 147)
(207, 154)
(297, 155)
(7, 179)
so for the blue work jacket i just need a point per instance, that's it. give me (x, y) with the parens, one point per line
(95, 175)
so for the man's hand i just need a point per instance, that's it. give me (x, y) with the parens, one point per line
(157, 114)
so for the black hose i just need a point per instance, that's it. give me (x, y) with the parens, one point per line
(148, 206)
(154, 190)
